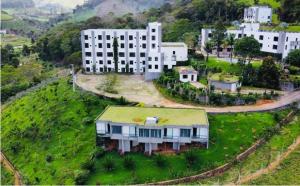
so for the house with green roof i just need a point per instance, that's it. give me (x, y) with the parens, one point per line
(151, 129)
(224, 82)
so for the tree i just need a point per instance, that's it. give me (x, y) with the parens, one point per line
(218, 35)
(289, 11)
(26, 50)
(268, 74)
(116, 58)
(249, 75)
(9, 56)
(247, 48)
(74, 58)
(190, 38)
(230, 41)
(208, 48)
(293, 58)
(256, 2)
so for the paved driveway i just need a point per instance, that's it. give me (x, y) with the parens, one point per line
(134, 88)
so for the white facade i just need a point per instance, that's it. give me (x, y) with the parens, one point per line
(140, 51)
(258, 14)
(187, 74)
(226, 86)
(272, 42)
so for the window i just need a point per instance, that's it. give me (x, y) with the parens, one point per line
(153, 38)
(87, 62)
(110, 54)
(123, 62)
(99, 54)
(122, 45)
(149, 66)
(131, 54)
(122, 37)
(101, 62)
(130, 37)
(144, 133)
(108, 37)
(210, 35)
(101, 69)
(130, 45)
(142, 54)
(116, 129)
(261, 45)
(121, 54)
(131, 70)
(184, 76)
(100, 45)
(156, 58)
(174, 52)
(86, 37)
(285, 47)
(88, 54)
(144, 45)
(86, 45)
(149, 58)
(99, 37)
(275, 47)
(144, 38)
(156, 66)
(287, 38)
(275, 38)
(108, 45)
(261, 37)
(88, 69)
(185, 132)
(144, 62)
(153, 45)
(240, 35)
(131, 62)
(108, 62)
(155, 133)
(153, 30)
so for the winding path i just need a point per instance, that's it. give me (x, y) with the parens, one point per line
(135, 89)
(272, 166)
(11, 168)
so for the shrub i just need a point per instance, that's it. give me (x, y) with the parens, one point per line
(49, 158)
(129, 163)
(89, 165)
(109, 164)
(191, 157)
(160, 160)
(99, 152)
(87, 120)
(81, 177)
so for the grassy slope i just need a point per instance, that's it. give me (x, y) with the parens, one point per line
(7, 177)
(14, 40)
(58, 113)
(229, 135)
(261, 158)
(5, 16)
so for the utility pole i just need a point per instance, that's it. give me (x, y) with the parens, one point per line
(73, 77)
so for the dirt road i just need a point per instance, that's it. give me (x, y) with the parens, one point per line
(11, 168)
(135, 89)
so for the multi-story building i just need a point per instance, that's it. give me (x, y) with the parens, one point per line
(140, 51)
(151, 129)
(281, 43)
(258, 14)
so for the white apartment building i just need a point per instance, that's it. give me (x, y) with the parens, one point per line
(140, 51)
(258, 14)
(270, 41)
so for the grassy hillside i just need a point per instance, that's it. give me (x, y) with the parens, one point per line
(7, 177)
(14, 40)
(5, 16)
(50, 133)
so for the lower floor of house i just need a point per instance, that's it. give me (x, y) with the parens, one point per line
(133, 146)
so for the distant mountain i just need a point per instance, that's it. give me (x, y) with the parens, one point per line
(17, 4)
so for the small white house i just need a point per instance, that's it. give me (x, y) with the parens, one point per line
(187, 74)
(224, 82)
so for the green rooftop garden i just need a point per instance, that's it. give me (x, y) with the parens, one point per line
(226, 78)
(167, 116)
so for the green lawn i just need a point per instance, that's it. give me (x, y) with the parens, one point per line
(292, 28)
(49, 134)
(14, 40)
(272, 3)
(7, 178)
(262, 157)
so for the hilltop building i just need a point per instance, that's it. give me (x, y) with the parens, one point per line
(258, 14)
(140, 51)
(275, 42)
(151, 129)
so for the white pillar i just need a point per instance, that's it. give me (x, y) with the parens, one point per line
(150, 148)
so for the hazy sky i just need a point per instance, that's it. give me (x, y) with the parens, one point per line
(66, 3)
